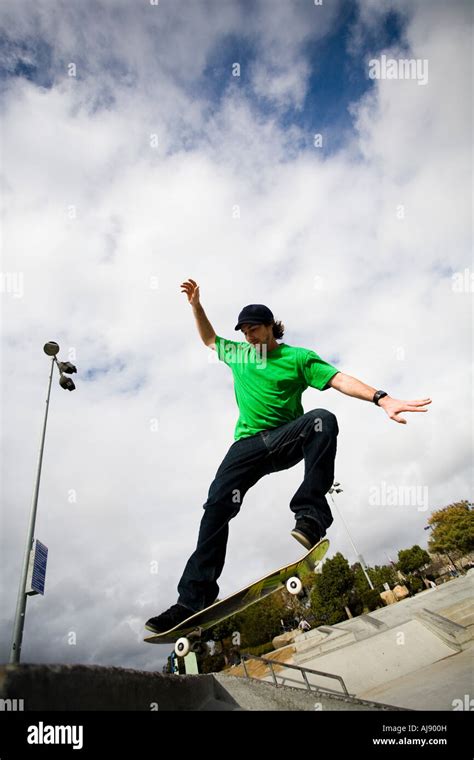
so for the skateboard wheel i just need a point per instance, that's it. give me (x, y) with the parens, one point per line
(294, 585)
(182, 647)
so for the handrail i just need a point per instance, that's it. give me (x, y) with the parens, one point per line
(302, 670)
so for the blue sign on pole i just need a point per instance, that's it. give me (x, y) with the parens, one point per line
(37, 569)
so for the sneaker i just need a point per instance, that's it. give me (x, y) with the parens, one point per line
(307, 532)
(174, 615)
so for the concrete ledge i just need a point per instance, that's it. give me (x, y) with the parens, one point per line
(93, 687)
(265, 696)
(451, 633)
(364, 626)
(461, 612)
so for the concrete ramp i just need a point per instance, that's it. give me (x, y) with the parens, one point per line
(418, 653)
(371, 662)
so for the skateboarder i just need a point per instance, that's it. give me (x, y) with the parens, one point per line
(272, 433)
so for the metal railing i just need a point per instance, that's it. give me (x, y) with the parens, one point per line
(304, 671)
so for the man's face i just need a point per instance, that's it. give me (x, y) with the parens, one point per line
(257, 333)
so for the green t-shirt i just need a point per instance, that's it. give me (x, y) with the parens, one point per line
(268, 384)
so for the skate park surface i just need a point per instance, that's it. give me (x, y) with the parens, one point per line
(416, 654)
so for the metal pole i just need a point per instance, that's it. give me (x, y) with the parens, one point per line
(359, 556)
(21, 602)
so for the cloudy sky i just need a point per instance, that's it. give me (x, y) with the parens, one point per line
(145, 143)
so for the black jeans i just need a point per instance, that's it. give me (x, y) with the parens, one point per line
(312, 437)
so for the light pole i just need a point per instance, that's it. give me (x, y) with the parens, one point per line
(336, 488)
(51, 349)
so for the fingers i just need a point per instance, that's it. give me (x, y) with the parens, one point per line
(186, 287)
(396, 406)
(414, 406)
(399, 419)
(191, 288)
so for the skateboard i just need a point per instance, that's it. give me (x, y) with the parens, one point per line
(187, 635)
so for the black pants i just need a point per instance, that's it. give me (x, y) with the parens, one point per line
(312, 437)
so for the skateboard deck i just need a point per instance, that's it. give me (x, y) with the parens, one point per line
(221, 610)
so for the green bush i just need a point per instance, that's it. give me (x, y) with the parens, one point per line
(371, 600)
(414, 583)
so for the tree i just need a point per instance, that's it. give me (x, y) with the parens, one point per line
(260, 622)
(411, 560)
(332, 591)
(211, 663)
(366, 598)
(452, 529)
(381, 574)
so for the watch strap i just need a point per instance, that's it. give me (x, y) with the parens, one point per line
(378, 395)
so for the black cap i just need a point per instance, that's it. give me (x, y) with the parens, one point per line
(254, 314)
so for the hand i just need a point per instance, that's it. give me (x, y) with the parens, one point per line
(393, 406)
(191, 288)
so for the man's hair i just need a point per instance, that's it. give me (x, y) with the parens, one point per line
(278, 329)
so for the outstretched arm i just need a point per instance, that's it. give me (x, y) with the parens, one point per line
(350, 386)
(205, 329)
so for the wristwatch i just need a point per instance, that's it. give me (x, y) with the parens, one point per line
(378, 395)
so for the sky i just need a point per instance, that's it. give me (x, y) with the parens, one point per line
(250, 146)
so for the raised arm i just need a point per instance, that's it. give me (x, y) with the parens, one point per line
(391, 406)
(205, 329)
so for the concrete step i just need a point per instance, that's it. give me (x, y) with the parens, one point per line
(364, 626)
(332, 637)
(321, 640)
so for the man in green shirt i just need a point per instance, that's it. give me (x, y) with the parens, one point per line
(272, 433)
